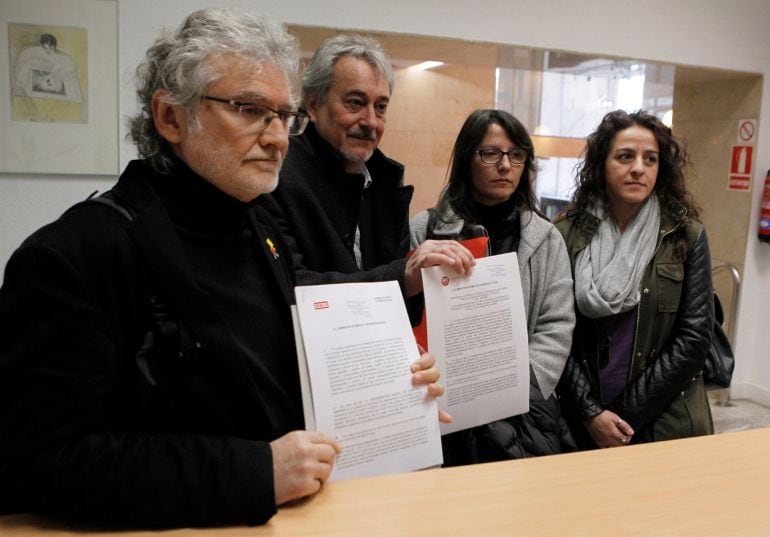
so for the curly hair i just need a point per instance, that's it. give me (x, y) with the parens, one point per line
(178, 62)
(457, 195)
(670, 184)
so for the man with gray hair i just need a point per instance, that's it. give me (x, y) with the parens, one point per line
(148, 374)
(341, 202)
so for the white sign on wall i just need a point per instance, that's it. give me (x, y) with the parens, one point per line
(742, 156)
(747, 132)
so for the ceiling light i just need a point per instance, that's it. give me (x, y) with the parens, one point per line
(430, 64)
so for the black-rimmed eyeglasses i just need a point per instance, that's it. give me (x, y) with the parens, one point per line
(258, 116)
(493, 156)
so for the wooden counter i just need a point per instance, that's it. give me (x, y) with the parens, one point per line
(717, 485)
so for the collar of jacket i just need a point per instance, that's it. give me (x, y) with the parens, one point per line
(192, 202)
(385, 172)
(672, 217)
(534, 231)
(155, 233)
(451, 225)
(586, 224)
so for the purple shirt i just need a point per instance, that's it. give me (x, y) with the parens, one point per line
(613, 377)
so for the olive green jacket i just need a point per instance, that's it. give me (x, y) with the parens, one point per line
(665, 397)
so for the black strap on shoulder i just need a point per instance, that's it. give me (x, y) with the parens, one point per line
(167, 328)
(108, 199)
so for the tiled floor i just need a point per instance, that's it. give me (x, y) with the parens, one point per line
(737, 414)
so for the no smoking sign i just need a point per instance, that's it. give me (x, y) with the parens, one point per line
(747, 131)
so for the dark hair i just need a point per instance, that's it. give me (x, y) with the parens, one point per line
(669, 186)
(457, 194)
(48, 39)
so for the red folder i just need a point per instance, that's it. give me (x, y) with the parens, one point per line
(478, 247)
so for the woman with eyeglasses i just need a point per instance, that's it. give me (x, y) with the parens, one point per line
(643, 291)
(490, 192)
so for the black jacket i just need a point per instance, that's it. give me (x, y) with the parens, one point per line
(540, 431)
(317, 204)
(177, 434)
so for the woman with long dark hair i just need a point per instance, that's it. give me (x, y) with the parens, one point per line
(489, 192)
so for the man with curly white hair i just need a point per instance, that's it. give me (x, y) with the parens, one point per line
(148, 375)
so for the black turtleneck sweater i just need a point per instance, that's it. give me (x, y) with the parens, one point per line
(219, 240)
(502, 223)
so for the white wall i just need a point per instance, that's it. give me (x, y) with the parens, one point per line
(710, 33)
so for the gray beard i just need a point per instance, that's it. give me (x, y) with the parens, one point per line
(355, 159)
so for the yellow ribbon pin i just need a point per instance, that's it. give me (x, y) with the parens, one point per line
(272, 248)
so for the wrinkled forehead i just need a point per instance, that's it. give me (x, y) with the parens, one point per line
(354, 73)
(245, 75)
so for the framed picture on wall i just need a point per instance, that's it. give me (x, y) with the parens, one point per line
(58, 86)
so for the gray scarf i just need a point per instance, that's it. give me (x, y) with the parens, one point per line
(608, 272)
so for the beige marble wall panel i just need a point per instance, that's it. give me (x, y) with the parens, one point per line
(443, 143)
(724, 212)
(466, 82)
(724, 98)
(412, 83)
(430, 180)
(706, 116)
(426, 112)
(413, 147)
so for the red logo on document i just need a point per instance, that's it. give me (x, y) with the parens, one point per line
(445, 281)
(321, 305)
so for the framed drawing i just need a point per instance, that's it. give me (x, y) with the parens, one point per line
(47, 79)
(58, 86)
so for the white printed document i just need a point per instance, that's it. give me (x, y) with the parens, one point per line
(355, 348)
(477, 330)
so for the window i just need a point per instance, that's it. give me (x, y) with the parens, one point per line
(567, 98)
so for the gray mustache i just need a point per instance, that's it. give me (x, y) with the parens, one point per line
(364, 134)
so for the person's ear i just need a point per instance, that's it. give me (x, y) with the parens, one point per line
(311, 105)
(170, 119)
